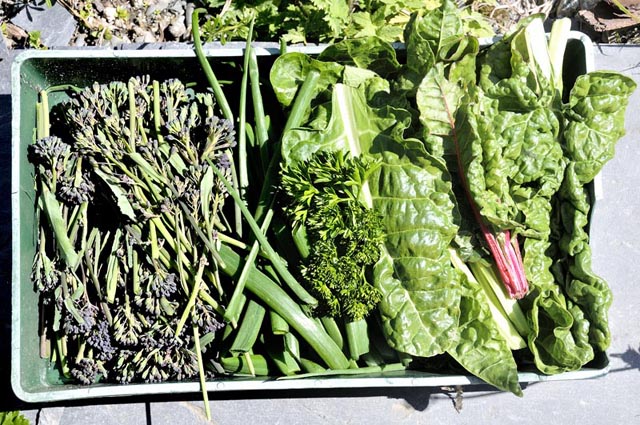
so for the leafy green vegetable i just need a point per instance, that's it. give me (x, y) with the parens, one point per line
(483, 348)
(516, 161)
(409, 190)
(13, 418)
(435, 36)
(595, 120)
(344, 236)
(308, 22)
(512, 126)
(370, 53)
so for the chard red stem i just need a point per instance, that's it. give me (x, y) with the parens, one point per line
(508, 262)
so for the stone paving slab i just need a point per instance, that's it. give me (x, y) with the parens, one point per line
(56, 24)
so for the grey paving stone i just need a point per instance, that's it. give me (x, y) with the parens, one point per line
(181, 412)
(50, 415)
(5, 67)
(56, 24)
(106, 414)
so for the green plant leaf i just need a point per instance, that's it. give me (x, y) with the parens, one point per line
(420, 304)
(481, 349)
(13, 418)
(595, 120)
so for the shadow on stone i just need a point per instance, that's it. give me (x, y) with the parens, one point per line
(631, 358)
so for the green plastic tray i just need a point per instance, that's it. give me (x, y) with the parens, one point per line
(35, 379)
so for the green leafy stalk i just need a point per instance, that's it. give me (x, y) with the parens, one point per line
(367, 370)
(232, 313)
(243, 172)
(279, 326)
(273, 256)
(300, 107)
(278, 300)
(241, 365)
(213, 81)
(357, 338)
(260, 119)
(249, 329)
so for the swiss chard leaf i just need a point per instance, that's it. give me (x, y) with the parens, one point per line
(482, 350)
(435, 36)
(587, 290)
(289, 72)
(370, 53)
(595, 120)
(557, 340)
(420, 304)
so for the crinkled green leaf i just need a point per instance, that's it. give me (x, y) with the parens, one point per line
(482, 350)
(595, 116)
(485, 167)
(290, 70)
(438, 99)
(420, 305)
(557, 340)
(435, 35)
(587, 290)
(370, 53)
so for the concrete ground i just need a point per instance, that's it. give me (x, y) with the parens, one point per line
(612, 399)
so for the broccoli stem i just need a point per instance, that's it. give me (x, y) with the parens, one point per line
(203, 382)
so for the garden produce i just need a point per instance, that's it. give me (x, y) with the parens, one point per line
(491, 145)
(400, 206)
